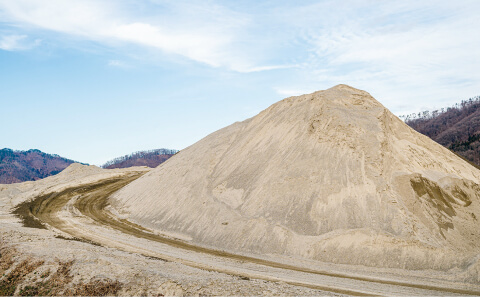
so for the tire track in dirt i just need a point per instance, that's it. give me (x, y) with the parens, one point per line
(92, 200)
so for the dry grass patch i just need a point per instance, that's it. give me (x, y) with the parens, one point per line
(103, 287)
(10, 281)
(6, 257)
(60, 284)
(16, 278)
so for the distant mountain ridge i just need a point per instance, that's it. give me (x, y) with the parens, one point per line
(19, 166)
(457, 127)
(150, 158)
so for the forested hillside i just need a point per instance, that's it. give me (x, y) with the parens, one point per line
(456, 127)
(19, 166)
(151, 158)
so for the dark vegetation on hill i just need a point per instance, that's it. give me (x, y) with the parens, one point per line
(151, 158)
(20, 166)
(456, 127)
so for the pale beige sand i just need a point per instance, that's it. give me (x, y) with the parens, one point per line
(331, 176)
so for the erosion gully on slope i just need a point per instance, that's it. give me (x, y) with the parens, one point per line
(93, 199)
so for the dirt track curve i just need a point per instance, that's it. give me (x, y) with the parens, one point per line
(92, 200)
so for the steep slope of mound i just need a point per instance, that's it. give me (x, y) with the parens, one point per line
(151, 159)
(330, 176)
(20, 166)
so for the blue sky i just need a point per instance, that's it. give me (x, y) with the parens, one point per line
(92, 80)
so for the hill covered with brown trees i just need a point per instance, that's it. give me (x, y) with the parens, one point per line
(456, 127)
(20, 166)
(151, 158)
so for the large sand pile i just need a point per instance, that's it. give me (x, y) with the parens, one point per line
(331, 176)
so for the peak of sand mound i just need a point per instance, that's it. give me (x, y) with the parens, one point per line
(331, 176)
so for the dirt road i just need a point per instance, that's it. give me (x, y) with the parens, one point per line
(82, 213)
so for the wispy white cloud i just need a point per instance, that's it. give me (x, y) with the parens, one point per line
(118, 64)
(15, 42)
(206, 37)
(404, 51)
(244, 69)
(293, 92)
(407, 52)
(201, 48)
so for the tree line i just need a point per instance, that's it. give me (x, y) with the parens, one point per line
(149, 154)
(470, 104)
(456, 127)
